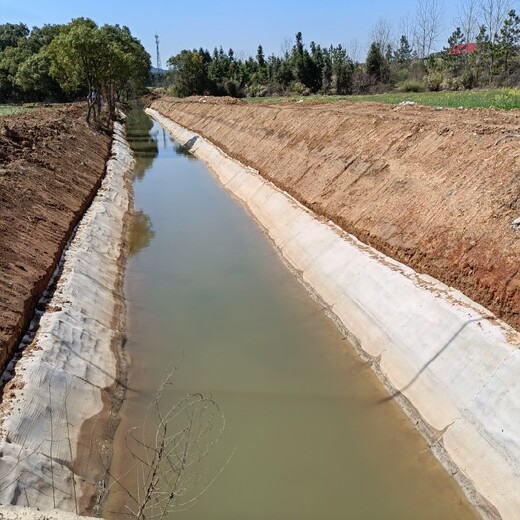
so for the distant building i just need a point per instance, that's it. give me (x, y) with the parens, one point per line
(463, 48)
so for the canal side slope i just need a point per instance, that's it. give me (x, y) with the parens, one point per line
(51, 165)
(425, 186)
(58, 411)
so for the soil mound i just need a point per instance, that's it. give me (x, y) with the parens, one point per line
(428, 187)
(51, 164)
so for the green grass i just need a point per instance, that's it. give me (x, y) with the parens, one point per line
(12, 110)
(506, 99)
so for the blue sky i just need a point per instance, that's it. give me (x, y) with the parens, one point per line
(241, 25)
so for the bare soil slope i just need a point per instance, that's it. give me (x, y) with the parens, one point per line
(426, 186)
(51, 164)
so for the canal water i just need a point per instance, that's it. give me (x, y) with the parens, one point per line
(308, 433)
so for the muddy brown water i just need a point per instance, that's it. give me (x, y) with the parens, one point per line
(307, 435)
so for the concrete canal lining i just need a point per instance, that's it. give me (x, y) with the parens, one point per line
(449, 362)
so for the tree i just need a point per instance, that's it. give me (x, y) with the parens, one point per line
(354, 50)
(375, 63)
(493, 14)
(11, 58)
(24, 64)
(188, 72)
(403, 53)
(260, 58)
(78, 55)
(105, 60)
(468, 19)
(509, 38)
(126, 65)
(381, 33)
(342, 70)
(485, 51)
(34, 79)
(11, 34)
(427, 26)
(305, 68)
(407, 28)
(452, 61)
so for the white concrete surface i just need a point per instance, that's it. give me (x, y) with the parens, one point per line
(456, 364)
(60, 376)
(26, 513)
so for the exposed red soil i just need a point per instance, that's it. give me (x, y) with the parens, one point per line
(51, 164)
(426, 186)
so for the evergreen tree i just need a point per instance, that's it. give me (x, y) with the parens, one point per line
(343, 68)
(508, 39)
(453, 55)
(403, 54)
(375, 63)
(260, 59)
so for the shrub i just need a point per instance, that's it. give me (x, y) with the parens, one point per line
(469, 80)
(411, 85)
(433, 81)
(299, 88)
(361, 82)
(453, 84)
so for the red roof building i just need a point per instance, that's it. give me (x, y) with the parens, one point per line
(463, 48)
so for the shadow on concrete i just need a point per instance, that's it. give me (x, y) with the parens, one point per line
(430, 361)
(190, 143)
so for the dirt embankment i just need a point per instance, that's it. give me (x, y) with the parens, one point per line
(51, 164)
(426, 186)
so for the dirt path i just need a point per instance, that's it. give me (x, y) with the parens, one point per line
(51, 164)
(426, 186)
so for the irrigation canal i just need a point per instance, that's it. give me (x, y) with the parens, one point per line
(308, 429)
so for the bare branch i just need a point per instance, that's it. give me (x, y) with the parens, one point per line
(427, 26)
(493, 14)
(168, 451)
(468, 19)
(382, 34)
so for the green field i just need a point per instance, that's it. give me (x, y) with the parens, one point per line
(506, 99)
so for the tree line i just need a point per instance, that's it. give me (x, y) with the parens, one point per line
(76, 60)
(406, 62)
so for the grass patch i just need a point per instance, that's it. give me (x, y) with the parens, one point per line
(12, 110)
(506, 99)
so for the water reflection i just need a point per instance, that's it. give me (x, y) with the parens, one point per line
(141, 232)
(143, 142)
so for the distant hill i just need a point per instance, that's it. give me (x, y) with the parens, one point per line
(155, 70)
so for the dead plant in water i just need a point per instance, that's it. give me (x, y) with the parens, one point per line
(168, 450)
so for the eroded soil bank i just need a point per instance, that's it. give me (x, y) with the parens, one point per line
(426, 186)
(51, 164)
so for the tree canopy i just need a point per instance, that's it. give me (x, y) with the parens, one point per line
(60, 62)
(301, 70)
(105, 60)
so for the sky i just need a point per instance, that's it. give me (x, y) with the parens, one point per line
(241, 25)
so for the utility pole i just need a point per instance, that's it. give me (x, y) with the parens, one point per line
(158, 55)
